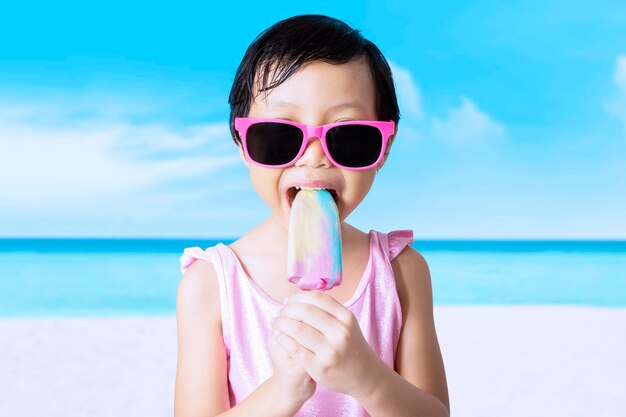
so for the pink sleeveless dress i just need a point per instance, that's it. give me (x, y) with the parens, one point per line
(247, 312)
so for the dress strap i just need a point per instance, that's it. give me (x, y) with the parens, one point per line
(398, 240)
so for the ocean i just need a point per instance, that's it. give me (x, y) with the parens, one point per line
(115, 277)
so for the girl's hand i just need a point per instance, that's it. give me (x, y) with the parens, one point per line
(324, 337)
(292, 381)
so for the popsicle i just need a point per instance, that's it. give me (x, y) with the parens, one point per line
(314, 260)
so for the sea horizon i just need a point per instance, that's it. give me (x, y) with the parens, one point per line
(103, 276)
(174, 244)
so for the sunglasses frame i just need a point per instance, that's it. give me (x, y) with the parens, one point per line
(385, 128)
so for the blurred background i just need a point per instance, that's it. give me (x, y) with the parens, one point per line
(113, 118)
(114, 125)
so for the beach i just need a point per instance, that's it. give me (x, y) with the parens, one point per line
(500, 361)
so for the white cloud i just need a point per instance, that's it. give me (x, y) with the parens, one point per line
(466, 124)
(617, 108)
(620, 74)
(462, 126)
(72, 163)
(63, 107)
(408, 92)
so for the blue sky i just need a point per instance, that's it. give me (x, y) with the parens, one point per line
(113, 118)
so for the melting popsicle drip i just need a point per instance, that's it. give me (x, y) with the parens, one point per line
(314, 260)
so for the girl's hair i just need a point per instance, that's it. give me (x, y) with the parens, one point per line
(283, 48)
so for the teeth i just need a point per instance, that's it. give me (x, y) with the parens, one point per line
(308, 188)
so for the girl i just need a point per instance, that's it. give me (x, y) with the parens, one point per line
(250, 342)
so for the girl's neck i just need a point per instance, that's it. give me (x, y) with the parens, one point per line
(263, 255)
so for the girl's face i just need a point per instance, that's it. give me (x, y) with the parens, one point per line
(318, 93)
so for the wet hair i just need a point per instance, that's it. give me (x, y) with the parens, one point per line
(283, 48)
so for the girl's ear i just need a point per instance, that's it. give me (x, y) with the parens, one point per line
(386, 155)
(243, 155)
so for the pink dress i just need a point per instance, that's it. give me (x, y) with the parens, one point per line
(247, 312)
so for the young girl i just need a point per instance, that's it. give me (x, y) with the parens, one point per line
(250, 342)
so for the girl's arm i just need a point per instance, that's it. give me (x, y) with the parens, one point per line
(418, 359)
(201, 374)
(201, 381)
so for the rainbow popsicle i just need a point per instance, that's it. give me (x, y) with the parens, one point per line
(314, 260)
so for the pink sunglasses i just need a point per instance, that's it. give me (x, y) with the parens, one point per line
(278, 143)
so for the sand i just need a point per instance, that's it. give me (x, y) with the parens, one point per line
(500, 361)
(534, 361)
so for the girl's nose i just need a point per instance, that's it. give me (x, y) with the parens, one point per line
(313, 155)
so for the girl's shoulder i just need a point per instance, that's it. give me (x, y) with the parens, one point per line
(198, 284)
(410, 263)
(413, 281)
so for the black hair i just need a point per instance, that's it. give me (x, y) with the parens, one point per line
(284, 47)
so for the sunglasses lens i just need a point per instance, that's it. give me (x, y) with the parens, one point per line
(354, 146)
(272, 143)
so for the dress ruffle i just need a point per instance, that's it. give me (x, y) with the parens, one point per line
(398, 240)
(190, 255)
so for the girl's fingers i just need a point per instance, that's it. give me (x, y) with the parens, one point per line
(301, 332)
(314, 329)
(299, 353)
(324, 302)
(322, 321)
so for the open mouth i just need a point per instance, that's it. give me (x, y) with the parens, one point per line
(292, 191)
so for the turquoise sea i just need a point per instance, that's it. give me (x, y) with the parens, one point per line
(109, 277)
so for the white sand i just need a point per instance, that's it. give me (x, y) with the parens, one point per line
(500, 361)
(534, 361)
(88, 367)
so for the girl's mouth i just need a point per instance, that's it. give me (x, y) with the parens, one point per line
(292, 191)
